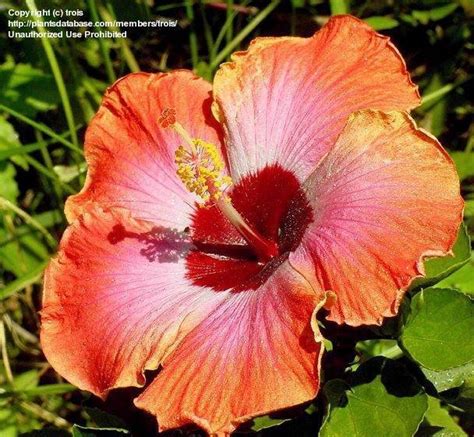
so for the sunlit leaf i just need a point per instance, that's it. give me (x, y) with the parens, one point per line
(462, 280)
(8, 186)
(435, 332)
(446, 379)
(438, 416)
(437, 269)
(382, 22)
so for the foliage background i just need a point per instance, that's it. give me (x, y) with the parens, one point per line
(49, 90)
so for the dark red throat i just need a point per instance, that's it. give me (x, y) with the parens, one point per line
(274, 205)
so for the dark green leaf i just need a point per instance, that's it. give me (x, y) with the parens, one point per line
(101, 419)
(383, 399)
(437, 269)
(26, 89)
(435, 332)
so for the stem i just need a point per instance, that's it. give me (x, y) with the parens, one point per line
(109, 15)
(207, 31)
(192, 34)
(42, 128)
(7, 205)
(229, 33)
(441, 92)
(227, 50)
(109, 69)
(6, 361)
(53, 62)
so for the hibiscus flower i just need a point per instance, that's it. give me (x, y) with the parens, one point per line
(214, 222)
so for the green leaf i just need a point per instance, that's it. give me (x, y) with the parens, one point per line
(9, 140)
(446, 379)
(26, 380)
(383, 399)
(469, 208)
(378, 347)
(8, 186)
(22, 282)
(435, 332)
(462, 280)
(27, 89)
(435, 14)
(439, 268)
(49, 390)
(21, 251)
(464, 163)
(265, 422)
(67, 173)
(382, 22)
(101, 419)
(438, 416)
(435, 110)
(82, 431)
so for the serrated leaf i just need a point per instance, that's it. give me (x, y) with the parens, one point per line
(439, 268)
(435, 332)
(382, 399)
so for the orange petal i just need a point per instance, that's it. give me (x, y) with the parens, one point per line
(384, 197)
(286, 100)
(131, 157)
(255, 354)
(116, 300)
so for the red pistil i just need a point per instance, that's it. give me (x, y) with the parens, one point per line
(263, 248)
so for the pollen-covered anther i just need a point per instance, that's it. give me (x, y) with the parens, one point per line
(202, 170)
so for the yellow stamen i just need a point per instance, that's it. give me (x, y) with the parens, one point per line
(202, 171)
